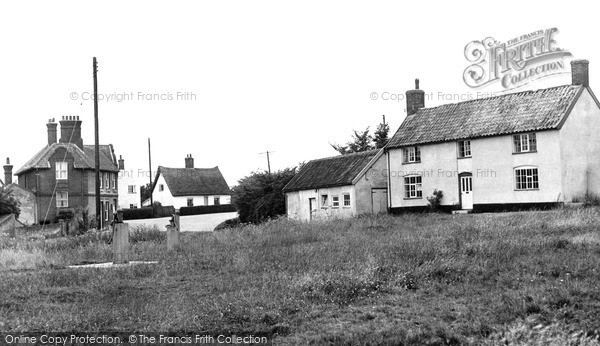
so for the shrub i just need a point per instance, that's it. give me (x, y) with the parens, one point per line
(435, 200)
(140, 213)
(8, 204)
(207, 209)
(259, 196)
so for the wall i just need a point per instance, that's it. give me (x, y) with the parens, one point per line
(375, 177)
(580, 149)
(127, 178)
(492, 166)
(298, 206)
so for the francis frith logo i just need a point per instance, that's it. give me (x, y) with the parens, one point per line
(515, 62)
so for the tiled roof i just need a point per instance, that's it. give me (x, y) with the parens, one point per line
(518, 112)
(83, 159)
(194, 181)
(331, 171)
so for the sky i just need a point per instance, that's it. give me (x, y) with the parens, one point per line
(228, 80)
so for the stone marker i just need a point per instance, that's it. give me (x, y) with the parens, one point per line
(12, 232)
(120, 243)
(173, 232)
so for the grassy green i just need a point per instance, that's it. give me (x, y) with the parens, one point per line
(516, 278)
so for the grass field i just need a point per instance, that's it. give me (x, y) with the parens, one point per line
(515, 278)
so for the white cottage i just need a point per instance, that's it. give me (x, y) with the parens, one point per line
(189, 186)
(339, 186)
(532, 148)
(129, 187)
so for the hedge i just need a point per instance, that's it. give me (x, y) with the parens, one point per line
(207, 209)
(148, 212)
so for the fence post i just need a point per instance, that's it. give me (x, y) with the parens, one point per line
(120, 245)
(12, 232)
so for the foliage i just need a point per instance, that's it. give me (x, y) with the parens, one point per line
(259, 196)
(363, 141)
(435, 200)
(9, 204)
(145, 192)
(207, 209)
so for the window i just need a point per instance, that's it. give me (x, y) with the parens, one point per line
(412, 187)
(161, 187)
(190, 202)
(526, 178)
(335, 201)
(217, 201)
(106, 206)
(62, 170)
(62, 199)
(346, 200)
(464, 149)
(324, 201)
(205, 200)
(106, 181)
(100, 180)
(411, 154)
(525, 143)
(132, 206)
(114, 180)
(131, 189)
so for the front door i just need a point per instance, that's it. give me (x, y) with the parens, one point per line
(312, 203)
(379, 200)
(466, 191)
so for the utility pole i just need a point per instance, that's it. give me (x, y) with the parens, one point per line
(150, 170)
(268, 159)
(97, 144)
(383, 119)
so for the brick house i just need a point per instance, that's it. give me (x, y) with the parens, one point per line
(530, 148)
(62, 175)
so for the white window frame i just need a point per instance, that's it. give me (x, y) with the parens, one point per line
(464, 148)
(411, 154)
(132, 206)
(335, 201)
(106, 206)
(205, 200)
(349, 204)
(190, 202)
(217, 201)
(62, 170)
(114, 180)
(62, 199)
(131, 189)
(106, 181)
(413, 189)
(526, 178)
(525, 143)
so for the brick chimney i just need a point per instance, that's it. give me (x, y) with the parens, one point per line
(121, 163)
(52, 136)
(579, 72)
(70, 130)
(415, 99)
(8, 172)
(189, 161)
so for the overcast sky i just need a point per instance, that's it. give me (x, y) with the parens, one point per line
(288, 77)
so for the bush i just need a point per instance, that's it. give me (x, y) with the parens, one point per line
(207, 209)
(8, 204)
(435, 200)
(259, 196)
(231, 223)
(140, 213)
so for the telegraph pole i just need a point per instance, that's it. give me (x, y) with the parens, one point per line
(268, 160)
(150, 170)
(97, 144)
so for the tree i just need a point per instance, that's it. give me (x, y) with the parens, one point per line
(381, 134)
(8, 204)
(259, 196)
(361, 141)
(145, 193)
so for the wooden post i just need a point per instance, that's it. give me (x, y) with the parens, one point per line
(63, 227)
(12, 232)
(120, 244)
(173, 233)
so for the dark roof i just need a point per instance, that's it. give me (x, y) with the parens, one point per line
(331, 171)
(542, 109)
(194, 181)
(83, 159)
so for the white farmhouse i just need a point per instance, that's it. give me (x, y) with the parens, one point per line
(339, 186)
(188, 187)
(129, 187)
(532, 148)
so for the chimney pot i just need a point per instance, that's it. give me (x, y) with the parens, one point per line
(415, 99)
(189, 161)
(580, 73)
